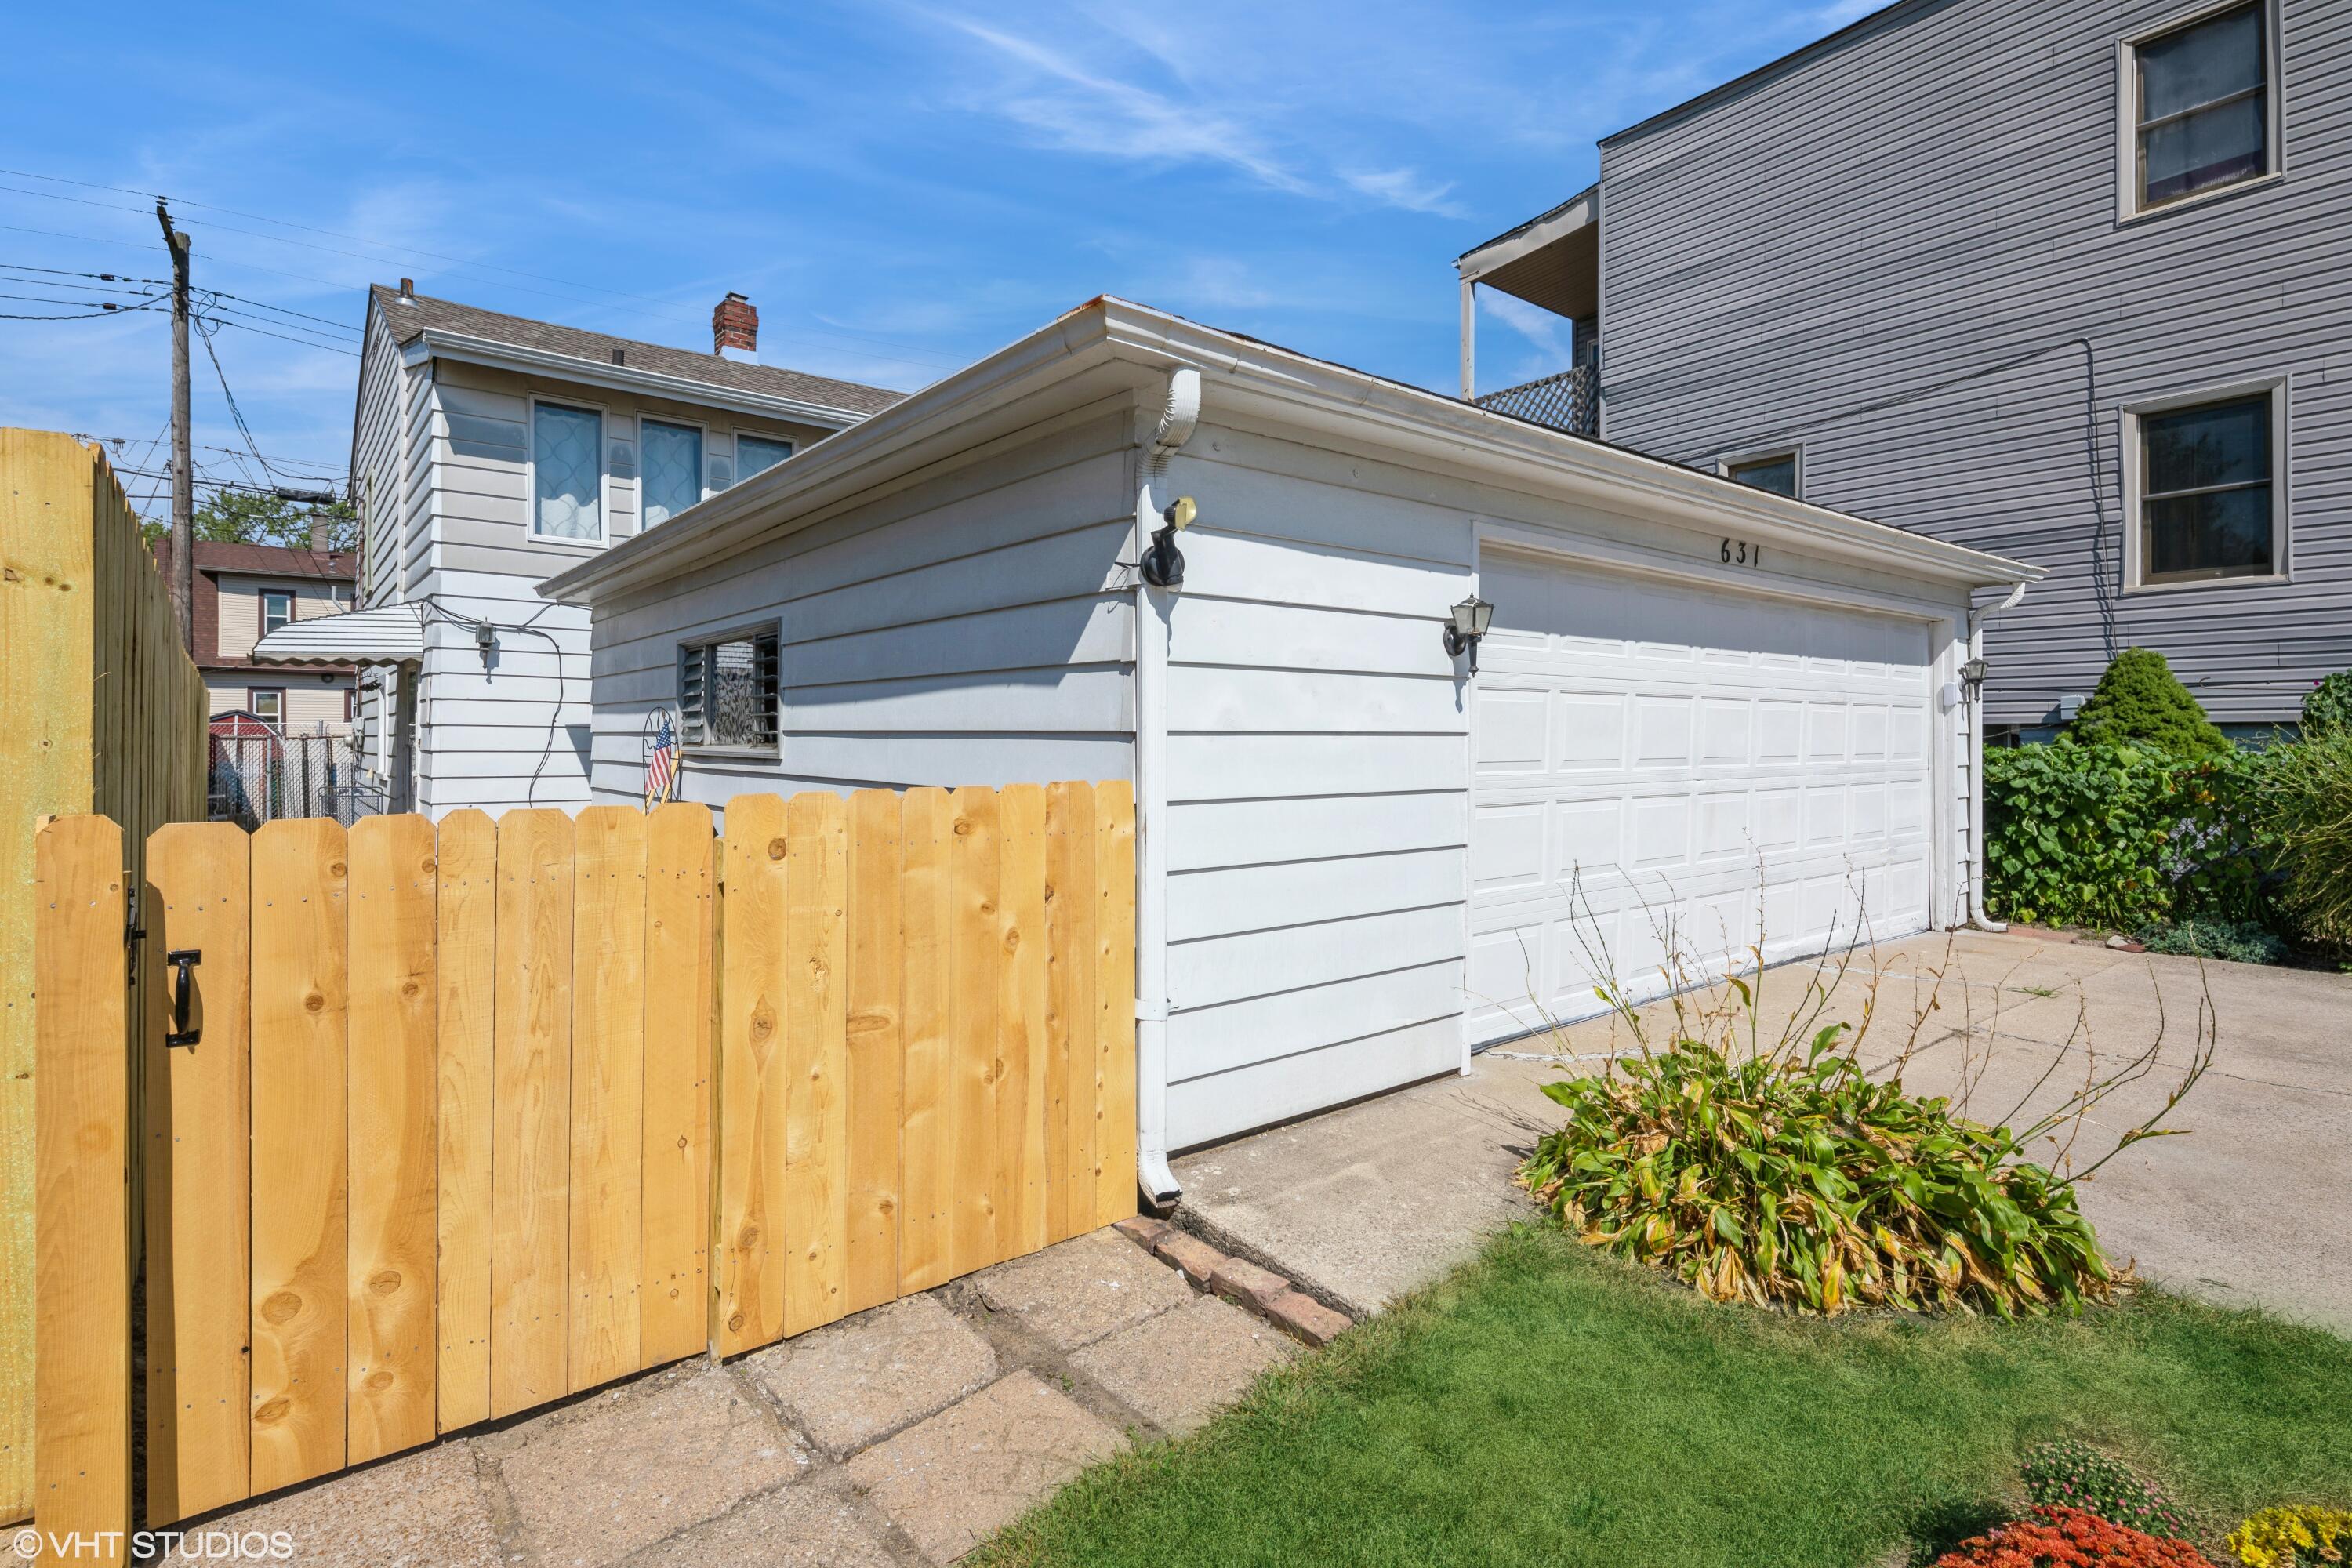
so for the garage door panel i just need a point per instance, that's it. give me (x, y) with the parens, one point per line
(1790, 733)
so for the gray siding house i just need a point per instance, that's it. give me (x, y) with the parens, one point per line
(490, 452)
(2064, 282)
(1364, 849)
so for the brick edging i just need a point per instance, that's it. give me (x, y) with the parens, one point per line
(1238, 1281)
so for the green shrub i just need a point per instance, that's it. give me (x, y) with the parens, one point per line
(2328, 705)
(2304, 792)
(2235, 942)
(2123, 836)
(1792, 1178)
(2075, 1475)
(2140, 698)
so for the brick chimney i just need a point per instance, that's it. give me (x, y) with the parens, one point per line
(318, 537)
(735, 329)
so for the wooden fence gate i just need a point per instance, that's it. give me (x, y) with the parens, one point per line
(457, 1122)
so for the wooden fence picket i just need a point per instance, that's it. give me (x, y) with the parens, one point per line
(394, 1073)
(608, 1071)
(679, 979)
(751, 1305)
(1072, 1095)
(81, 1129)
(1114, 1001)
(198, 1172)
(926, 1158)
(814, 1245)
(487, 1114)
(973, 938)
(876, 1047)
(300, 996)
(530, 1114)
(467, 907)
(1017, 1168)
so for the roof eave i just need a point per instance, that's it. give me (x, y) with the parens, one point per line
(435, 343)
(1306, 390)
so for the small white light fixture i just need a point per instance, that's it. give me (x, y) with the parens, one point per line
(1466, 624)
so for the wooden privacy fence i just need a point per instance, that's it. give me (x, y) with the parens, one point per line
(100, 711)
(480, 1117)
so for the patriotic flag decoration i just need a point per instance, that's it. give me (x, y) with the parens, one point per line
(661, 759)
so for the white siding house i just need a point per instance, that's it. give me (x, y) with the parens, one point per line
(1358, 856)
(490, 452)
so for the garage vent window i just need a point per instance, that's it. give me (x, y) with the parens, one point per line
(727, 691)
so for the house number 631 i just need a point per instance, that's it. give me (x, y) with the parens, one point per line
(1740, 553)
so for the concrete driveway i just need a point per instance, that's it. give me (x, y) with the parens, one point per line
(2252, 1206)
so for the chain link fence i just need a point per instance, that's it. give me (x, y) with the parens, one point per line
(258, 774)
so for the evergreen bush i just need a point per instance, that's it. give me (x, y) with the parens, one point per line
(2328, 705)
(2140, 698)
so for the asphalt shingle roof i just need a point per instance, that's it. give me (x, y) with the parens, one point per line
(409, 317)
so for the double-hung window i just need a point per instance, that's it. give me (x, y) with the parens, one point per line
(757, 454)
(672, 470)
(2202, 102)
(267, 703)
(276, 609)
(2208, 483)
(727, 691)
(567, 472)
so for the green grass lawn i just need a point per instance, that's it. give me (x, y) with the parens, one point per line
(1548, 1406)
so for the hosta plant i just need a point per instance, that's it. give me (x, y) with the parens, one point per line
(2293, 1537)
(1778, 1168)
(2070, 1538)
(2075, 1475)
(1799, 1180)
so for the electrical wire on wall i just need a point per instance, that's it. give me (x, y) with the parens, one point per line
(2103, 580)
(437, 611)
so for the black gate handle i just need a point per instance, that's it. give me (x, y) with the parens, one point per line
(184, 959)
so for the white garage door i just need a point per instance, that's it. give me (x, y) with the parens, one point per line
(1642, 747)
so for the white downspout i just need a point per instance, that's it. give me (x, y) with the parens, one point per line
(1978, 919)
(1178, 419)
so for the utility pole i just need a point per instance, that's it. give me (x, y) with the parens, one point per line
(184, 485)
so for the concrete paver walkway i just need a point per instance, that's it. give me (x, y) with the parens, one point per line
(903, 1435)
(1367, 1203)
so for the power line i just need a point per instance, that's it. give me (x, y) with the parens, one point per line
(930, 359)
(63, 272)
(264, 305)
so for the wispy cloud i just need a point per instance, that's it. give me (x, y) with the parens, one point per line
(1409, 189)
(1080, 109)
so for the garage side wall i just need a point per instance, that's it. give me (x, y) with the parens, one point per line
(967, 628)
(1318, 815)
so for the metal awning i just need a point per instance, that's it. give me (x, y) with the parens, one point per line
(385, 635)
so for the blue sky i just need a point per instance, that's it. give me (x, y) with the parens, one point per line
(900, 188)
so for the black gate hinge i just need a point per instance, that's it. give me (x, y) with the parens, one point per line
(135, 937)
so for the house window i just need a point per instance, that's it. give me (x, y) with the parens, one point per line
(2202, 106)
(351, 703)
(267, 703)
(672, 468)
(567, 480)
(2208, 488)
(758, 453)
(1774, 472)
(727, 690)
(276, 609)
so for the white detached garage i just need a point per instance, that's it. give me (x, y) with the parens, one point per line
(1358, 857)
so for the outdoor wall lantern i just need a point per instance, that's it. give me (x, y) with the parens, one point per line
(1973, 674)
(1468, 623)
(1163, 564)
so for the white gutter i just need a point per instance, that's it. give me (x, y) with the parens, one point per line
(1978, 919)
(434, 343)
(1178, 419)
